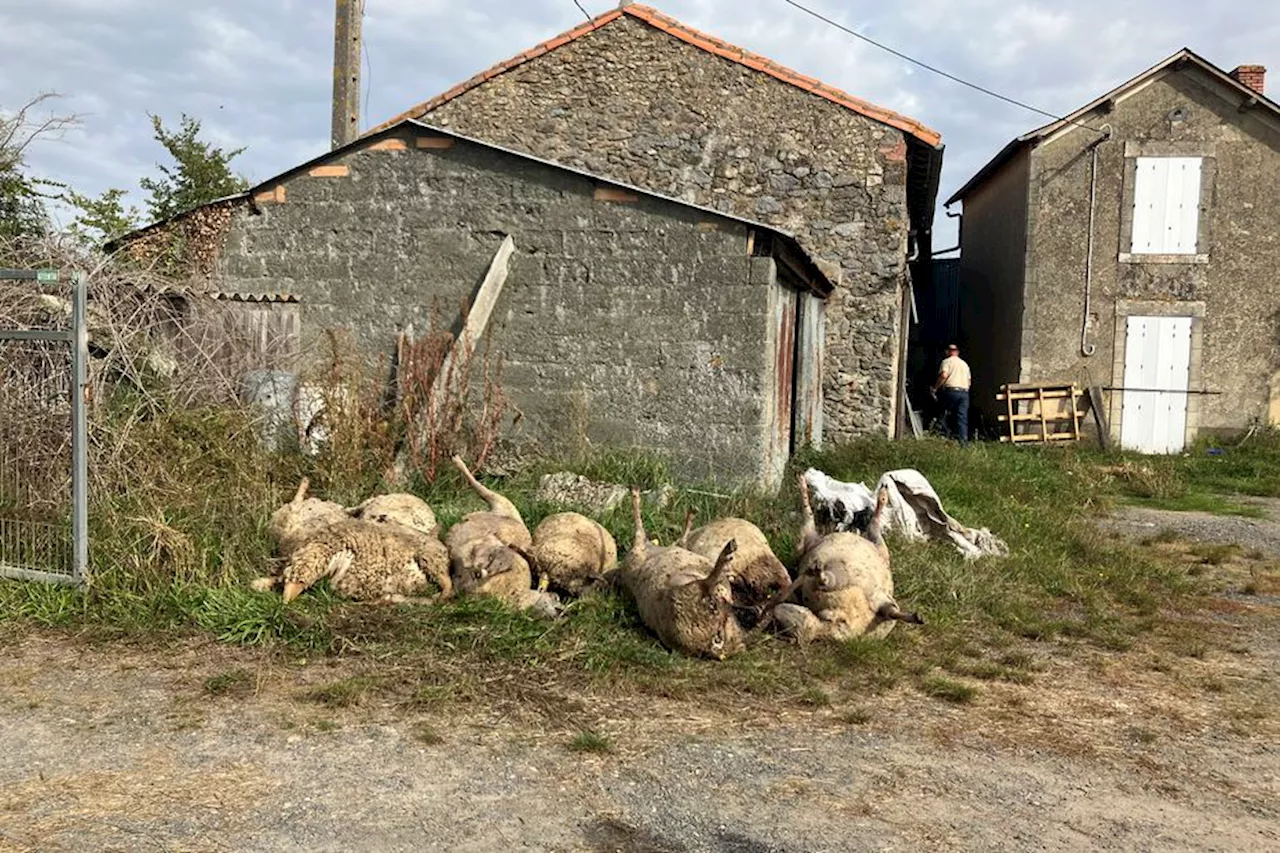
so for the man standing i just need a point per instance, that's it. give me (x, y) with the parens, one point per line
(952, 390)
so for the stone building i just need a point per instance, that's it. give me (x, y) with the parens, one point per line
(626, 318)
(1134, 246)
(638, 97)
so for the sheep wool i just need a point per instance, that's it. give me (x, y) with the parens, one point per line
(367, 561)
(573, 552)
(758, 574)
(684, 598)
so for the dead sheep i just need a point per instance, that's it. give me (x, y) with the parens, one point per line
(844, 584)
(300, 519)
(683, 597)
(292, 525)
(368, 561)
(489, 553)
(398, 508)
(758, 574)
(573, 552)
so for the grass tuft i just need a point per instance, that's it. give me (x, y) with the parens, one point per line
(590, 741)
(233, 682)
(948, 689)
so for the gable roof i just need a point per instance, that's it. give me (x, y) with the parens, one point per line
(1183, 58)
(711, 44)
(814, 271)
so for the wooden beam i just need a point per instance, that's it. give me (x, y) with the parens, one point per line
(1100, 417)
(478, 315)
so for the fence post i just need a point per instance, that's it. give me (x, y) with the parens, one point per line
(79, 430)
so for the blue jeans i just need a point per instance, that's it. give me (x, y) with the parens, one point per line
(955, 403)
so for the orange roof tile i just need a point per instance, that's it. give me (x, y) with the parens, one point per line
(711, 44)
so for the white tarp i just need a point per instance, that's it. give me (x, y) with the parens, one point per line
(914, 510)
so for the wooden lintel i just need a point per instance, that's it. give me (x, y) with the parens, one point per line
(389, 145)
(435, 143)
(615, 194)
(336, 170)
(276, 195)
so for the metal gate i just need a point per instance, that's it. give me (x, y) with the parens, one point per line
(43, 434)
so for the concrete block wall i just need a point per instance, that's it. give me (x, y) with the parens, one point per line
(640, 320)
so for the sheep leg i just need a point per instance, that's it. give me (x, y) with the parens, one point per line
(889, 610)
(765, 612)
(721, 578)
(497, 503)
(808, 529)
(640, 542)
(683, 542)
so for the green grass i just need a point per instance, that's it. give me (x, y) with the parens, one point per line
(589, 741)
(948, 689)
(179, 534)
(233, 682)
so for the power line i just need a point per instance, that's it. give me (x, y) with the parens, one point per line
(936, 70)
(582, 10)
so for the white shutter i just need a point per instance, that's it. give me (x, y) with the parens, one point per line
(1157, 372)
(1166, 206)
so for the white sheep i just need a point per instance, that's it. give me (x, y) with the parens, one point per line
(368, 561)
(844, 583)
(684, 598)
(758, 574)
(573, 552)
(489, 553)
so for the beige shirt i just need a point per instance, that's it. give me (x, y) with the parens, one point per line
(956, 373)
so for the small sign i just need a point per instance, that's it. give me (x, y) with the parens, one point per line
(47, 276)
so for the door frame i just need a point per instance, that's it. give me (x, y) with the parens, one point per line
(1126, 308)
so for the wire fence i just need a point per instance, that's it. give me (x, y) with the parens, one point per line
(43, 476)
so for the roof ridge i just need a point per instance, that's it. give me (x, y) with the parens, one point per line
(689, 35)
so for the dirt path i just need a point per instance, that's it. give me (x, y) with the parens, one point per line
(1162, 747)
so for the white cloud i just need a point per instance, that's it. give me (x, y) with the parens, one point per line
(258, 74)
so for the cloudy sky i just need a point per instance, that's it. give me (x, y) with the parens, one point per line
(257, 73)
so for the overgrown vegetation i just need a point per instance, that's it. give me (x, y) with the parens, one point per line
(181, 490)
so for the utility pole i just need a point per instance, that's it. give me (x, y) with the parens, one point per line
(346, 71)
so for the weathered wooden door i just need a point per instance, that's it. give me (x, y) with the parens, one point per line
(1157, 373)
(806, 426)
(784, 375)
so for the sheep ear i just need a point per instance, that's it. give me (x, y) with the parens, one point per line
(301, 495)
(528, 558)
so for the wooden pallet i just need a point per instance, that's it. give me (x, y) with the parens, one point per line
(1037, 400)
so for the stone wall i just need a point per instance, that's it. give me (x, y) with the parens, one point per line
(1232, 286)
(633, 103)
(639, 322)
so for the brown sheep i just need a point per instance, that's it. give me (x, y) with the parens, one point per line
(573, 552)
(489, 552)
(844, 584)
(400, 508)
(368, 561)
(758, 574)
(684, 598)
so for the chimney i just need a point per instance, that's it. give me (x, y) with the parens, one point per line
(1253, 76)
(346, 71)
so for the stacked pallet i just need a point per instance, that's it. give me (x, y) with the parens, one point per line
(1040, 413)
